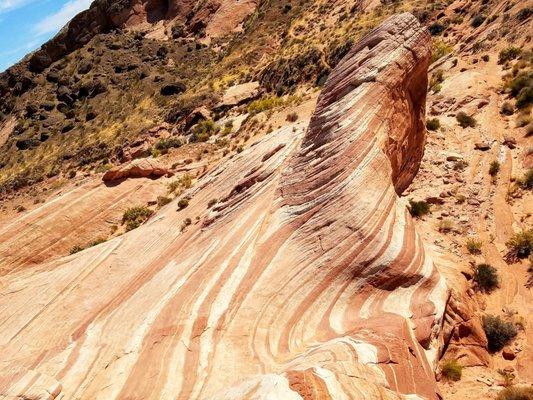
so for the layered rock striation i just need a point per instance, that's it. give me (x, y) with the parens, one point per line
(306, 279)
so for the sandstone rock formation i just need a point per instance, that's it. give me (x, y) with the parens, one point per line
(140, 168)
(306, 280)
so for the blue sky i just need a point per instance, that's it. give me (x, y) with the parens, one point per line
(26, 24)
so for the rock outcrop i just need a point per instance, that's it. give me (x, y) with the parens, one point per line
(213, 18)
(140, 168)
(306, 279)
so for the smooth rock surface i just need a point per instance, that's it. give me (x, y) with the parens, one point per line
(306, 280)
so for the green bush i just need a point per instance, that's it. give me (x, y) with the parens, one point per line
(183, 203)
(507, 108)
(165, 144)
(509, 53)
(465, 120)
(135, 216)
(526, 182)
(499, 332)
(433, 124)
(440, 49)
(452, 370)
(477, 20)
(486, 277)
(494, 168)
(521, 87)
(473, 246)
(418, 208)
(516, 393)
(265, 104)
(521, 244)
(203, 131)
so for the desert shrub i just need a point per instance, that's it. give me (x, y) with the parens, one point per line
(264, 104)
(521, 87)
(465, 120)
(499, 332)
(460, 165)
(211, 203)
(494, 168)
(183, 203)
(440, 49)
(164, 144)
(418, 208)
(163, 201)
(135, 216)
(485, 57)
(516, 393)
(445, 226)
(477, 20)
(292, 117)
(486, 277)
(473, 246)
(508, 54)
(521, 244)
(526, 182)
(96, 242)
(507, 108)
(436, 29)
(203, 131)
(436, 79)
(433, 124)
(76, 249)
(524, 13)
(452, 370)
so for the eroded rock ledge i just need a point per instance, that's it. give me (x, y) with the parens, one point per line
(309, 282)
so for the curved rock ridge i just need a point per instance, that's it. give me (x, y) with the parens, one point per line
(306, 279)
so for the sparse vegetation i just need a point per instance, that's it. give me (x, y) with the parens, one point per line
(516, 393)
(418, 208)
(526, 182)
(520, 245)
(264, 104)
(292, 117)
(183, 203)
(96, 242)
(452, 370)
(507, 108)
(494, 168)
(486, 277)
(521, 88)
(508, 54)
(440, 49)
(135, 216)
(163, 201)
(478, 20)
(165, 144)
(465, 120)
(203, 131)
(499, 332)
(474, 246)
(176, 186)
(445, 226)
(433, 124)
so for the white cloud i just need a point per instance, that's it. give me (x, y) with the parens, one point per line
(8, 5)
(54, 22)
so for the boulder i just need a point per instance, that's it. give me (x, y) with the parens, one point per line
(239, 94)
(141, 168)
(483, 146)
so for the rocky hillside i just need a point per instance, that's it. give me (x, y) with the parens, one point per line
(266, 199)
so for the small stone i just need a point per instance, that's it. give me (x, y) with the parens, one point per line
(483, 146)
(508, 354)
